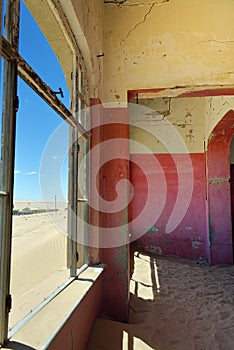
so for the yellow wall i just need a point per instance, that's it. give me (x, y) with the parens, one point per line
(90, 15)
(176, 125)
(151, 44)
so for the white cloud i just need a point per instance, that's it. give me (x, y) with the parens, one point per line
(17, 171)
(54, 157)
(31, 173)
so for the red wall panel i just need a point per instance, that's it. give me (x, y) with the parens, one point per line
(190, 238)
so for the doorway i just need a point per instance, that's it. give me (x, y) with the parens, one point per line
(232, 187)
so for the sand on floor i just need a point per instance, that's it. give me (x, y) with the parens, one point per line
(176, 304)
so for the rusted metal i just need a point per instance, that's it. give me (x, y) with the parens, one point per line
(44, 91)
(6, 50)
(26, 72)
(58, 11)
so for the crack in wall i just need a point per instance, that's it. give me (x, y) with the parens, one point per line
(215, 41)
(116, 2)
(124, 3)
(141, 22)
(122, 42)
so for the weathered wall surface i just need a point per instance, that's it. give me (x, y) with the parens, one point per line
(167, 43)
(168, 125)
(219, 191)
(168, 172)
(90, 15)
(216, 107)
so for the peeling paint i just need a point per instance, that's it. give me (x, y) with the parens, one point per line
(218, 181)
(151, 230)
(196, 244)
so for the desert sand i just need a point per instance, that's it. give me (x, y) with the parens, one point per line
(38, 264)
(176, 304)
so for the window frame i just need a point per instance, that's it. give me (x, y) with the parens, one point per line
(14, 66)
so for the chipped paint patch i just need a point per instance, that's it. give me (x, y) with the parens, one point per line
(196, 244)
(151, 230)
(217, 181)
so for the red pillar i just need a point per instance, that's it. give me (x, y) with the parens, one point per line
(220, 220)
(113, 248)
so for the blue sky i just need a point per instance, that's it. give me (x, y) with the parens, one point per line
(36, 121)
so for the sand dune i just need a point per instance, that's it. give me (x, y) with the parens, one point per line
(175, 304)
(38, 260)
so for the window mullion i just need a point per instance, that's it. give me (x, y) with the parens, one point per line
(9, 108)
(73, 179)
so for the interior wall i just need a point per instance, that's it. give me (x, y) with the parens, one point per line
(168, 173)
(90, 15)
(169, 138)
(215, 108)
(76, 331)
(219, 191)
(149, 44)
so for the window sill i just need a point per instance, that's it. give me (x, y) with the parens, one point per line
(42, 329)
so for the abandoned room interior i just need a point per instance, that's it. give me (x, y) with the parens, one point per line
(147, 125)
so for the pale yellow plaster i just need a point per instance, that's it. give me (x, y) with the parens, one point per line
(169, 125)
(90, 15)
(151, 44)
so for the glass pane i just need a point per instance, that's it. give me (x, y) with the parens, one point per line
(82, 204)
(35, 49)
(83, 114)
(39, 249)
(3, 13)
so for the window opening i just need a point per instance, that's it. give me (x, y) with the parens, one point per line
(38, 246)
(9, 106)
(36, 50)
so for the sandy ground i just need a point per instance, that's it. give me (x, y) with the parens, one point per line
(175, 305)
(38, 258)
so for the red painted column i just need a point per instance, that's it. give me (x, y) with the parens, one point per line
(220, 220)
(116, 277)
(96, 111)
(110, 126)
